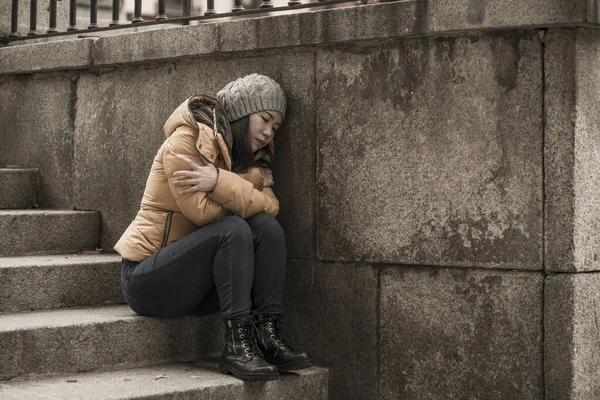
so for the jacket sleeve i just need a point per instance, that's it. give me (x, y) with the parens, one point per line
(253, 175)
(241, 197)
(196, 206)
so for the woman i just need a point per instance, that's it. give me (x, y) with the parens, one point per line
(205, 238)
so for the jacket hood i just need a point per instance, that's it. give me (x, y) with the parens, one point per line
(183, 116)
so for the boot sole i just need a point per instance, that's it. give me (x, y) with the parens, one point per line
(226, 370)
(294, 366)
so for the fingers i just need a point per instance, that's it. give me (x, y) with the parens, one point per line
(189, 190)
(187, 174)
(196, 188)
(268, 182)
(197, 172)
(186, 182)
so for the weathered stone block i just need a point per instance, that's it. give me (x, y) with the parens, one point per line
(161, 44)
(571, 331)
(36, 116)
(571, 148)
(127, 131)
(449, 333)
(331, 312)
(430, 152)
(116, 140)
(19, 188)
(57, 55)
(448, 15)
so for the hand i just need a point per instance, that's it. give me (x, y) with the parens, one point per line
(267, 175)
(198, 178)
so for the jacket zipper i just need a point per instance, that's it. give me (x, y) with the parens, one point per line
(167, 229)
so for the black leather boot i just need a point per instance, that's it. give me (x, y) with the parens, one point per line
(241, 356)
(274, 349)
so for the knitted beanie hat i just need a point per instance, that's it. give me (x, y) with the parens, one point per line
(251, 94)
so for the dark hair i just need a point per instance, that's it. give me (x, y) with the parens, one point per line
(236, 135)
(242, 157)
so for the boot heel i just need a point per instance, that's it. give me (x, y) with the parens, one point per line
(223, 370)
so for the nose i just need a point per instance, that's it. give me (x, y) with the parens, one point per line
(267, 134)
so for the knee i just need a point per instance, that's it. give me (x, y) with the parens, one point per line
(266, 225)
(236, 228)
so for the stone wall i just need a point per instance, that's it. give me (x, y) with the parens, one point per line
(436, 171)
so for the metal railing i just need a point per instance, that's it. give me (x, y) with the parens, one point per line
(237, 9)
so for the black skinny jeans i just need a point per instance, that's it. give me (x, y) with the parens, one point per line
(233, 265)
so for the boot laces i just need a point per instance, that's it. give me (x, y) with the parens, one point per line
(273, 325)
(249, 339)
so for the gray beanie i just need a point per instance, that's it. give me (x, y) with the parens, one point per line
(251, 94)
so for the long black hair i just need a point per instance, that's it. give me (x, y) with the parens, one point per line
(236, 135)
(242, 157)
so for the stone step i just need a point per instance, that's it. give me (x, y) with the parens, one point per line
(47, 231)
(169, 381)
(91, 338)
(55, 281)
(18, 188)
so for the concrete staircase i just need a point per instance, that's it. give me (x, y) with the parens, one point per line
(65, 332)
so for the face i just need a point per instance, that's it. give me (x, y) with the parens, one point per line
(263, 126)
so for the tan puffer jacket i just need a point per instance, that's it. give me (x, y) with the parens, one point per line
(166, 216)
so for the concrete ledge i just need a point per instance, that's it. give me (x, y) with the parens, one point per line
(42, 282)
(309, 28)
(37, 231)
(377, 21)
(49, 56)
(449, 15)
(200, 380)
(368, 22)
(154, 45)
(86, 339)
